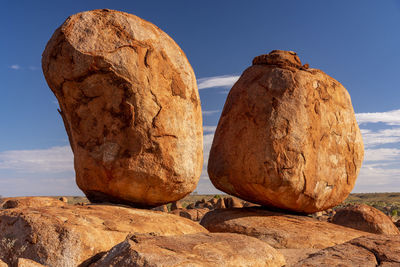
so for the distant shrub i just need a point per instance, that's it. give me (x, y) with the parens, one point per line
(217, 196)
(394, 213)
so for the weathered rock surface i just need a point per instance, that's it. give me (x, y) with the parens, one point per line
(192, 250)
(129, 100)
(25, 202)
(192, 214)
(28, 263)
(3, 264)
(373, 250)
(287, 137)
(365, 218)
(71, 235)
(279, 230)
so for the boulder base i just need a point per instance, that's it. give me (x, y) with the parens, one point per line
(280, 230)
(287, 137)
(130, 105)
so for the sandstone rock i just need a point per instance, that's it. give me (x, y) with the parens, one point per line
(373, 250)
(220, 204)
(3, 264)
(129, 100)
(162, 208)
(176, 205)
(63, 199)
(28, 263)
(365, 218)
(287, 137)
(231, 202)
(192, 250)
(279, 230)
(192, 214)
(26, 202)
(71, 235)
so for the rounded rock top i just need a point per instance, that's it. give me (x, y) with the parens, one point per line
(279, 58)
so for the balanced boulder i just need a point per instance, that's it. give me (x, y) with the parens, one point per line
(287, 137)
(130, 105)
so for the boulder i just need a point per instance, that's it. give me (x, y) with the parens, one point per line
(280, 230)
(3, 264)
(366, 251)
(192, 250)
(220, 204)
(365, 218)
(63, 199)
(26, 202)
(130, 105)
(231, 202)
(296, 132)
(192, 214)
(176, 205)
(162, 208)
(71, 235)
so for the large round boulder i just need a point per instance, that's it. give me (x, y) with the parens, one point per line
(287, 137)
(129, 100)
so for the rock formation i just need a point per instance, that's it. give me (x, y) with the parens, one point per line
(280, 230)
(365, 218)
(71, 235)
(130, 105)
(192, 250)
(366, 251)
(287, 137)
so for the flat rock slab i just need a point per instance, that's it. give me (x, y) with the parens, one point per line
(366, 251)
(72, 234)
(279, 230)
(20, 202)
(201, 249)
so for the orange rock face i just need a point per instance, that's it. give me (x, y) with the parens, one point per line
(71, 235)
(192, 250)
(365, 218)
(129, 100)
(287, 137)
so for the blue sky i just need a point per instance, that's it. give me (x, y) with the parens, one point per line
(356, 42)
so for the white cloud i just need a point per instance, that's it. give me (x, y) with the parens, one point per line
(210, 112)
(217, 81)
(380, 137)
(388, 117)
(373, 179)
(54, 159)
(382, 154)
(15, 67)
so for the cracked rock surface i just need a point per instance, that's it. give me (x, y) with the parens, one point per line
(200, 249)
(130, 105)
(287, 137)
(70, 235)
(366, 251)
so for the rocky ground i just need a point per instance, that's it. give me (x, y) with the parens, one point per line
(206, 230)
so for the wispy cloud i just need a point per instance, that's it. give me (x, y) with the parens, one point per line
(209, 129)
(389, 117)
(54, 159)
(217, 81)
(15, 67)
(210, 112)
(380, 137)
(382, 154)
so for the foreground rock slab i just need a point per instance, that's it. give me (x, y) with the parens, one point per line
(366, 251)
(130, 105)
(72, 235)
(192, 250)
(280, 230)
(365, 218)
(287, 137)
